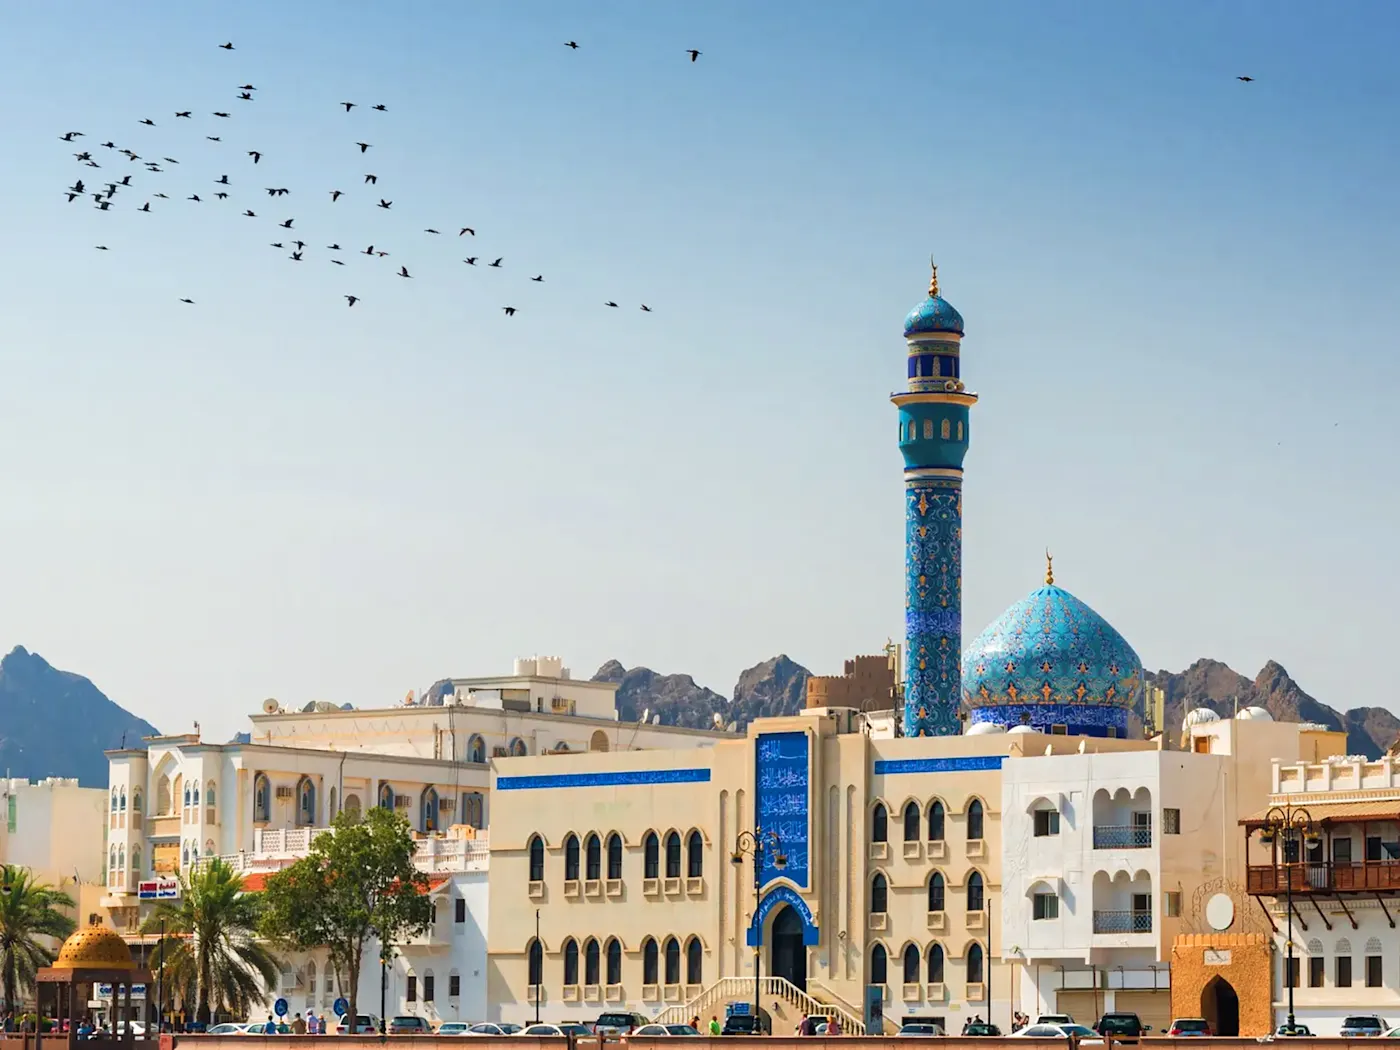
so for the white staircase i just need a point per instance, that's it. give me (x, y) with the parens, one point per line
(741, 989)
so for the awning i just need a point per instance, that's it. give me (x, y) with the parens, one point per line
(1334, 812)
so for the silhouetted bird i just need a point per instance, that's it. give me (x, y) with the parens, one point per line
(368, 251)
(498, 262)
(337, 262)
(222, 196)
(72, 196)
(125, 180)
(218, 114)
(101, 247)
(277, 244)
(572, 44)
(385, 204)
(371, 178)
(352, 299)
(162, 196)
(213, 138)
(1247, 80)
(149, 122)
(83, 156)
(363, 146)
(227, 47)
(103, 205)
(403, 272)
(431, 230)
(246, 96)
(471, 261)
(110, 145)
(193, 197)
(538, 278)
(348, 106)
(332, 247)
(145, 207)
(610, 303)
(300, 245)
(336, 195)
(255, 155)
(222, 180)
(286, 225)
(170, 160)
(251, 214)
(509, 311)
(69, 136)
(246, 87)
(693, 54)
(296, 256)
(78, 186)
(184, 113)
(190, 301)
(466, 229)
(646, 308)
(381, 107)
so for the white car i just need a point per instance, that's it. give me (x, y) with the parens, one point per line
(666, 1029)
(453, 1028)
(493, 1028)
(1085, 1036)
(565, 1029)
(226, 1029)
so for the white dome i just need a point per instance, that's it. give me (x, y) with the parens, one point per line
(1255, 714)
(985, 729)
(1021, 729)
(1198, 716)
(1313, 727)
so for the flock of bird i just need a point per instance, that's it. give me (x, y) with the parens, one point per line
(105, 198)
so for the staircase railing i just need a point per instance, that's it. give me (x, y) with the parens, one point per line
(824, 992)
(729, 989)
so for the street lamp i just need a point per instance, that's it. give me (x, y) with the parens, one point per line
(756, 843)
(1294, 826)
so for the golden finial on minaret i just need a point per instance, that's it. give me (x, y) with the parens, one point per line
(1049, 568)
(933, 280)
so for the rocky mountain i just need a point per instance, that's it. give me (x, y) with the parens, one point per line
(1210, 683)
(56, 723)
(773, 687)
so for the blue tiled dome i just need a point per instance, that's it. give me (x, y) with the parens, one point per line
(934, 314)
(1053, 658)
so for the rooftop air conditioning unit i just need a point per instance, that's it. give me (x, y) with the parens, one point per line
(284, 791)
(447, 805)
(401, 801)
(500, 751)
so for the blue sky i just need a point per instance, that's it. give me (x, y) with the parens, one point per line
(1178, 289)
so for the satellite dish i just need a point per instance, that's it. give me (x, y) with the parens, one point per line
(311, 706)
(646, 715)
(271, 707)
(718, 720)
(656, 719)
(733, 726)
(1220, 912)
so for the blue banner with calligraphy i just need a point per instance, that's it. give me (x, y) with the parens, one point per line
(783, 804)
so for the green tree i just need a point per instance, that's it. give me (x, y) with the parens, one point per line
(30, 912)
(211, 955)
(355, 884)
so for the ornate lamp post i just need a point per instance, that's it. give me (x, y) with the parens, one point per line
(756, 843)
(1293, 826)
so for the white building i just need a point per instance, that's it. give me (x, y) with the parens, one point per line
(55, 828)
(1104, 854)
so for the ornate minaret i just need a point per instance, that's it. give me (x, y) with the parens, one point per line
(933, 433)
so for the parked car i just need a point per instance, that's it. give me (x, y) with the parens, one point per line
(227, 1028)
(665, 1029)
(565, 1029)
(453, 1028)
(1363, 1025)
(407, 1024)
(1189, 1026)
(618, 1022)
(493, 1028)
(1054, 1019)
(1121, 1026)
(921, 1028)
(748, 1024)
(365, 1024)
(1086, 1036)
(1302, 1030)
(982, 1028)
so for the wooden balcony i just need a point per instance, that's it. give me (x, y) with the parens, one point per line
(1324, 877)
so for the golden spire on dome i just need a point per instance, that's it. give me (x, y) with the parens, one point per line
(1049, 568)
(933, 280)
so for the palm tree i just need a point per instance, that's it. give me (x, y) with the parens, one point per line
(210, 953)
(29, 913)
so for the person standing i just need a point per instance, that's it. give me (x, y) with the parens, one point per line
(298, 1025)
(271, 1027)
(833, 1027)
(313, 1023)
(714, 1025)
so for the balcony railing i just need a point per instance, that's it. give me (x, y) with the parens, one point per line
(1324, 877)
(274, 849)
(1122, 922)
(1122, 836)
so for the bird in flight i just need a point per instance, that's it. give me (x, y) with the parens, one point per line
(190, 301)
(694, 54)
(348, 106)
(222, 196)
(386, 205)
(184, 113)
(193, 197)
(162, 196)
(352, 299)
(381, 108)
(148, 121)
(364, 146)
(218, 114)
(497, 263)
(251, 214)
(1247, 80)
(277, 244)
(83, 156)
(537, 278)
(572, 45)
(70, 136)
(371, 179)
(78, 186)
(610, 303)
(129, 155)
(213, 138)
(282, 192)
(332, 247)
(255, 155)
(509, 311)
(337, 262)
(471, 261)
(101, 247)
(104, 205)
(110, 145)
(246, 87)
(221, 180)
(246, 96)
(170, 160)
(336, 195)
(300, 245)
(286, 225)
(403, 272)
(296, 256)
(73, 196)
(227, 47)
(431, 230)
(368, 251)
(646, 308)
(466, 229)
(145, 207)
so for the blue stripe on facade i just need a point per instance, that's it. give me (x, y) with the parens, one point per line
(615, 779)
(970, 764)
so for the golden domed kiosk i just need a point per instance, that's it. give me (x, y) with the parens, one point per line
(94, 955)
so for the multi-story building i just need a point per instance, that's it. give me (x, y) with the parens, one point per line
(54, 828)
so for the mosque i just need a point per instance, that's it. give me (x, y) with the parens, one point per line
(1017, 844)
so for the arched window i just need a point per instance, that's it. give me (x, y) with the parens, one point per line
(651, 858)
(163, 795)
(136, 861)
(974, 964)
(187, 796)
(476, 750)
(935, 891)
(590, 962)
(935, 822)
(614, 861)
(673, 961)
(196, 794)
(593, 861)
(649, 961)
(210, 799)
(114, 800)
(536, 956)
(913, 964)
(112, 861)
(974, 821)
(694, 961)
(536, 848)
(430, 809)
(570, 962)
(351, 806)
(935, 964)
(879, 965)
(306, 802)
(208, 847)
(945, 429)
(122, 805)
(386, 797)
(614, 961)
(975, 897)
(879, 823)
(194, 852)
(928, 433)
(912, 820)
(571, 858)
(262, 798)
(185, 855)
(695, 856)
(517, 748)
(136, 800)
(121, 862)
(177, 792)
(673, 859)
(879, 894)
(474, 810)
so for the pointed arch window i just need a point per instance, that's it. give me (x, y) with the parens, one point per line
(517, 748)
(614, 861)
(912, 821)
(673, 961)
(386, 797)
(593, 863)
(974, 821)
(945, 430)
(122, 804)
(196, 794)
(879, 965)
(673, 858)
(694, 961)
(695, 856)
(976, 898)
(476, 749)
(913, 964)
(536, 850)
(536, 964)
(430, 809)
(649, 957)
(590, 962)
(306, 802)
(879, 894)
(614, 961)
(570, 963)
(262, 798)
(936, 819)
(879, 823)
(571, 858)
(975, 960)
(935, 964)
(936, 892)
(651, 858)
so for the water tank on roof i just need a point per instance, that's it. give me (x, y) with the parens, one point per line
(1255, 714)
(524, 665)
(548, 666)
(565, 673)
(1021, 730)
(985, 729)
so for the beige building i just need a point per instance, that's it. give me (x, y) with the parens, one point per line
(626, 863)
(56, 829)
